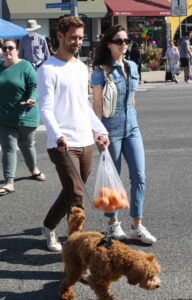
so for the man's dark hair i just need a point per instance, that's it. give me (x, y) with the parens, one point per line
(65, 23)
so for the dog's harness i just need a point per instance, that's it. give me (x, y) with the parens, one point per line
(106, 241)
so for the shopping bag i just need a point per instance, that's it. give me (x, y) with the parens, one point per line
(109, 192)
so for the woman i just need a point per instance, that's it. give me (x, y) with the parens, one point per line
(172, 55)
(19, 116)
(124, 134)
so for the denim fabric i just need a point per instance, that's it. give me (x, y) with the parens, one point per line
(10, 137)
(124, 133)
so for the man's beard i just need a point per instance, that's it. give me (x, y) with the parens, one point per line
(72, 50)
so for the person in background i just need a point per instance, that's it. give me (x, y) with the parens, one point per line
(185, 56)
(33, 47)
(95, 44)
(124, 133)
(52, 51)
(172, 55)
(135, 55)
(19, 116)
(70, 122)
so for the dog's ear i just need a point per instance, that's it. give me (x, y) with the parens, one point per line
(150, 257)
(134, 277)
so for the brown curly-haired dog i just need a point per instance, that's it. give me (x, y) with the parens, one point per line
(81, 251)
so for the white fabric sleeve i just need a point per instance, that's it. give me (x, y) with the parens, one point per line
(96, 123)
(46, 87)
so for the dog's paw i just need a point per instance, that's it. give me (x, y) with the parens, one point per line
(69, 295)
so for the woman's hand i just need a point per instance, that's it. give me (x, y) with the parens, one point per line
(102, 141)
(28, 104)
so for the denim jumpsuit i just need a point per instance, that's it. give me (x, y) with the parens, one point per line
(124, 134)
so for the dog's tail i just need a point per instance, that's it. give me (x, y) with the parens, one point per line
(76, 220)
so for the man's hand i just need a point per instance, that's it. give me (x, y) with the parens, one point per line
(102, 141)
(62, 144)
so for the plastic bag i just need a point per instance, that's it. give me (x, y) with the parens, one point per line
(109, 193)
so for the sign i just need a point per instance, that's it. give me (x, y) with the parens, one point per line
(178, 8)
(64, 6)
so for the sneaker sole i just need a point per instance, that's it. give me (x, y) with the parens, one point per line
(119, 238)
(139, 239)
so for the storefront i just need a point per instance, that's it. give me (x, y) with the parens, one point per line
(147, 30)
(185, 22)
(92, 13)
(145, 20)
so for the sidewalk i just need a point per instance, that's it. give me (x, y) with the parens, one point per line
(157, 76)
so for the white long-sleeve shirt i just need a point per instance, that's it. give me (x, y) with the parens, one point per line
(64, 105)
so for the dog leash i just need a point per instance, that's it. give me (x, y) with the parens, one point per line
(106, 241)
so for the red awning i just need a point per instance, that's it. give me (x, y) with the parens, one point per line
(141, 8)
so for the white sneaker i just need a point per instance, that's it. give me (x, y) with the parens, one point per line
(116, 231)
(189, 81)
(142, 234)
(52, 241)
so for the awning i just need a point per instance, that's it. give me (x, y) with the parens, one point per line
(9, 30)
(141, 8)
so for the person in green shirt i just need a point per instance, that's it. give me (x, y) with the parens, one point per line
(19, 115)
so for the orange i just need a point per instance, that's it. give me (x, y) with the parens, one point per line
(114, 198)
(104, 192)
(97, 203)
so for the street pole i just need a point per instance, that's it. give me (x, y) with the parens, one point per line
(1, 9)
(73, 7)
(180, 30)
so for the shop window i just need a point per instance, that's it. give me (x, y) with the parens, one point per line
(149, 31)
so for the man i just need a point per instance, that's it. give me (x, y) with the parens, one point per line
(33, 47)
(185, 56)
(70, 122)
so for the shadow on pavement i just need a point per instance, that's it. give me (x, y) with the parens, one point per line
(19, 179)
(15, 249)
(48, 292)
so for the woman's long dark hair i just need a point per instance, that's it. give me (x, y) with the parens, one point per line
(102, 52)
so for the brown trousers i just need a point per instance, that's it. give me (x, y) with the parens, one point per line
(72, 193)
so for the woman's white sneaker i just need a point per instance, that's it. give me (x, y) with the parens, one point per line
(116, 231)
(52, 241)
(142, 234)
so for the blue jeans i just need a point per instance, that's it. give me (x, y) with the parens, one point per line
(133, 151)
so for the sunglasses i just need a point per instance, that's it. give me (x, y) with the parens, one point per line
(120, 42)
(5, 48)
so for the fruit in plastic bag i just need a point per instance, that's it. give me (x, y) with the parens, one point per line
(110, 200)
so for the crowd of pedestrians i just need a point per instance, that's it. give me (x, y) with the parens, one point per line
(56, 85)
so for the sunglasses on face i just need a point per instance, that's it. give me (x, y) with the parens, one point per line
(5, 48)
(120, 42)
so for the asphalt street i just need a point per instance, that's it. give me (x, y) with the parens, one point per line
(29, 272)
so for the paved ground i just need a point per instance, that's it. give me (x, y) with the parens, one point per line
(157, 76)
(29, 272)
